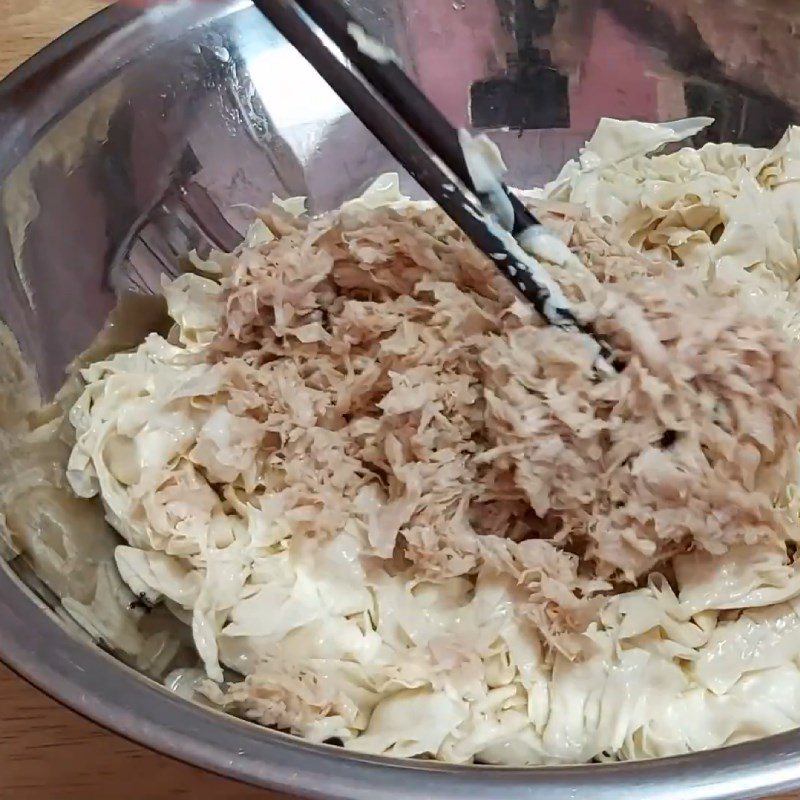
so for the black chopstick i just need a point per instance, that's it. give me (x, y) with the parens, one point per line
(389, 80)
(430, 170)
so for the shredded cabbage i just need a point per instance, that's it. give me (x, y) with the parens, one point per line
(303, 614)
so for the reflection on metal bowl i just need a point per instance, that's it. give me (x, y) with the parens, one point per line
(146, 133)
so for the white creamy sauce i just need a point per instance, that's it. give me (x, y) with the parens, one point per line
(543, 244)
(370, 46)
(486, 168)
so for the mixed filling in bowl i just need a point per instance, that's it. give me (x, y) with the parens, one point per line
(399, 512)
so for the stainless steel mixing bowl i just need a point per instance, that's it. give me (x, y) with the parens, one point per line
(142, 133)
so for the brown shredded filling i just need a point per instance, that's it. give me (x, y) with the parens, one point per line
(402, 385)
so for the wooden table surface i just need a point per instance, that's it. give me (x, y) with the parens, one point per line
(46, 751)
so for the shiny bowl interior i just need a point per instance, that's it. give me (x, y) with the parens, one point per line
(145, 133)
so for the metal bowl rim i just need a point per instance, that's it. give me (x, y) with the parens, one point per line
(37, 646)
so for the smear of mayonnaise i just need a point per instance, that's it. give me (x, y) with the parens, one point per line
(370, 46)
